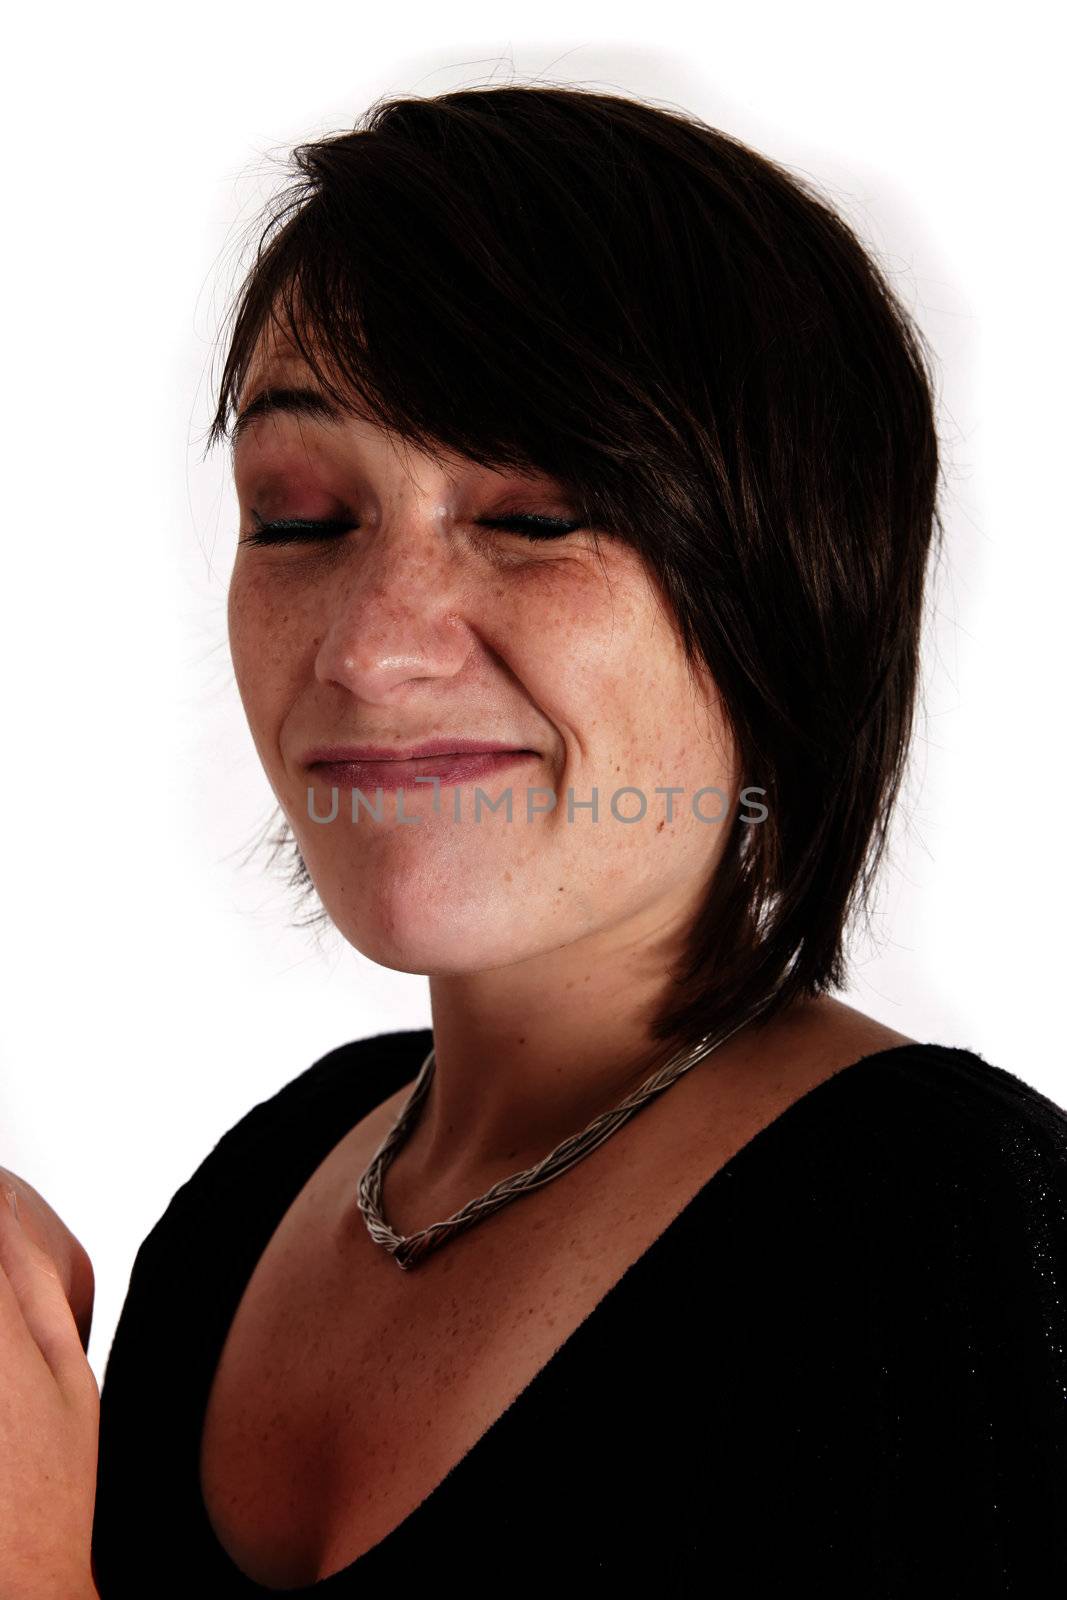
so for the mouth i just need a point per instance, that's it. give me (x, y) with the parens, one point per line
(415, 772)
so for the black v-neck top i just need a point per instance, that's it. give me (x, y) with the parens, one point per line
(843, 1366)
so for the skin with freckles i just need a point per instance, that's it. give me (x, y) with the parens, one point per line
(547, 940)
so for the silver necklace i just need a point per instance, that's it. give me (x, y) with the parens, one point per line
(408, 1250)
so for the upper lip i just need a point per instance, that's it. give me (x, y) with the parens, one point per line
(428, 747)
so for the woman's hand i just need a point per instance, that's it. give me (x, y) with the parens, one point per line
(49, 1406)
(44, 1228)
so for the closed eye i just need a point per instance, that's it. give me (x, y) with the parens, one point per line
(293, 530)
(532, 526)
(302, 530)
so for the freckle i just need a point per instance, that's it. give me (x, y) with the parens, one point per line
(659, 825)
(507, 877)
(561, 889)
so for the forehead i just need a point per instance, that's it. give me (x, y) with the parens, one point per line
(276, 357)
(281, 387)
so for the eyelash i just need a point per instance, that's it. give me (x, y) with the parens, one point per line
(300, 530)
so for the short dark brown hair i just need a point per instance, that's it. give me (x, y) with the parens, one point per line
(695, 344)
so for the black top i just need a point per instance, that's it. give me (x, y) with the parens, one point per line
(843, 1365)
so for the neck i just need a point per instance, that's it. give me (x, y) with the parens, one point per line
(527, 1054)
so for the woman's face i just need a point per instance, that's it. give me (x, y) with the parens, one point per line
(423, 623)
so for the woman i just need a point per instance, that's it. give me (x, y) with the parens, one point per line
(587, 475)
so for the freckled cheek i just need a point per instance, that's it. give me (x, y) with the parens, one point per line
(628, 722)
(561, 666)
(265, 645)
(646, 724)
(656, 725)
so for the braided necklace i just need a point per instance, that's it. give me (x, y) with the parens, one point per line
(407, 1251)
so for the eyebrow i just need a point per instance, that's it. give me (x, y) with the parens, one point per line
(292, 402)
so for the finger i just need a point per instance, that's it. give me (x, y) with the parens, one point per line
(34, 1306)
(40, 1222)
(48, 1230)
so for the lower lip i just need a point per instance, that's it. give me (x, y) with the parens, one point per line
(370, 775)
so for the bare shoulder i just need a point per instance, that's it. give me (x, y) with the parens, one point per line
(838, 1032)
(818, 1038)
(778, 1061)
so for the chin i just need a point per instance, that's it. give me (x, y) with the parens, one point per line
(426, 945)
(424, 916)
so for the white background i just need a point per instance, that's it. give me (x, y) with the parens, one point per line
(153, 990)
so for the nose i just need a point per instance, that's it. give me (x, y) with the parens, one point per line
(395, 611)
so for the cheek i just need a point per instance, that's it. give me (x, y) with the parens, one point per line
(639, 721)
(623, 682)
(264, 644)
(584, 638)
